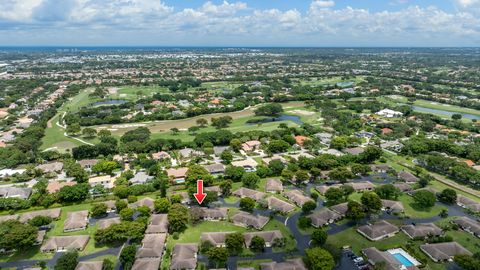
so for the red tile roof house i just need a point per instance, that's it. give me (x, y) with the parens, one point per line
(251, 146)
(161, 155)
(378, 230)
(245, 219)
(444, 251)
(300, 140)
(386, 131)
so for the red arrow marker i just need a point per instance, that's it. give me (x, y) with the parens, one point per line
(200, 196)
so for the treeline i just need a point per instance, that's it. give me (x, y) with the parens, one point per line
(457, 170)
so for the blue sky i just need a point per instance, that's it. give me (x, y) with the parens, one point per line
(240, 22)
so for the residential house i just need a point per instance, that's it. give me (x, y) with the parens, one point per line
(421, 230)
(322, 189)
(55, 186)
(279, 205)
(341, 208)
(184, 257)
(215, 189)
(297, 197)
(146, 264)
(215, 169)
(140, 178)
(218, 150)
(15, 192)
(184, 196)
(245, 219)
(324, 138)
(389, 113)
(152, 246)
(51, 167)
(107, 181)
(469, 225)
(52, 213)
(94, 265)
(404, 187)
(324, 217)
(162, 155)
(300, 140)
(290, 264)
(362, 186)
(217, 239)
(188, 153)
(213, 214)
(267, 160)
(158, 224)
(40, 237)
(148, 202)
(251, 193)
(468, 203)
(64, 243)
(177, 176)
(407, 177)
(88, 164)
(378, 230)
(393, 206)
(248, 164)
(273, 186)
(105, 223)
(354, 151)
(269, 237)
(380, 168)
(444, 251)
(76, 221)
(251, 146)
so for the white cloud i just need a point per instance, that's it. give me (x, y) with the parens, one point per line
(320, 4)
(154, 22)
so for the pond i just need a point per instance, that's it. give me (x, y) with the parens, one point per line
(283, 117)
(110, 102)
(442, 112)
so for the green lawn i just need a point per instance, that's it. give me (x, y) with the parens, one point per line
(355, 240)
(414, 212)
(277, 225)
(192, 234)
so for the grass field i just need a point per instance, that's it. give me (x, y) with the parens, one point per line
(54, 135)
(329, 81)
(162, 128)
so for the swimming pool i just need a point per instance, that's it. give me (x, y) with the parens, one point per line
(402, 259)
